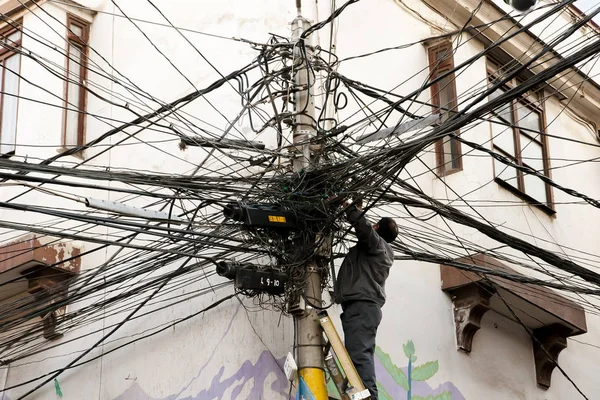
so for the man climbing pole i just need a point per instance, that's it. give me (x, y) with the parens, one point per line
(360, 289)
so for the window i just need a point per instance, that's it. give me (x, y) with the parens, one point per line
(517, 133)
(443, 97)
(10, 61)
(74, 119)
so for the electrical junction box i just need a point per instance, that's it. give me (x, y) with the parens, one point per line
(296, 305)
(290, 368)
(261, 216)
(272, 282)
(266, 218)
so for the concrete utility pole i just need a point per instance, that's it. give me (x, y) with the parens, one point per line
(310, 337)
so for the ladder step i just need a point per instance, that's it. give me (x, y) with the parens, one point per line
(351, 387)
(336, 376)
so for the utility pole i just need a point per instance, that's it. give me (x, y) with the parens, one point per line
(309, 334)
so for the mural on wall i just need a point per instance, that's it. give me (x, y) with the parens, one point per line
(252, 378)
(409, 383)
(265, 379)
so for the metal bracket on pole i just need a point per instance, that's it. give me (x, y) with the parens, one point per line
(412, 125)
(120, 208)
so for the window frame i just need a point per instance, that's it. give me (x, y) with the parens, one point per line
(436, 67)
(5, 54)
(522, 101)
(75, 41)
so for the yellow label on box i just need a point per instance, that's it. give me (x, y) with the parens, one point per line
(277, 218)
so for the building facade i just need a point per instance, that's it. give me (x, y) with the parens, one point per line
(75, 70)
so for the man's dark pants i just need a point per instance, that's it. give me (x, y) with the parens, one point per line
(360, 320)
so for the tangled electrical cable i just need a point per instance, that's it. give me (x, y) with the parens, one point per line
(162, 263)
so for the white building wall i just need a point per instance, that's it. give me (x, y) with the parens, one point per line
(236, 353)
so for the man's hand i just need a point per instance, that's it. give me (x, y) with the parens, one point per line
(343, 200)
(358, 204)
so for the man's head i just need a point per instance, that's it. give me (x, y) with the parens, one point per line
(387, 229)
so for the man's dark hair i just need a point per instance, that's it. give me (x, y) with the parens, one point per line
(388, 229)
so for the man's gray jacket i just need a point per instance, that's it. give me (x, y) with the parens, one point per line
(366, 267)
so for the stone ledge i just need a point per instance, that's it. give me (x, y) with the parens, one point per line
(31, 250)
(550, 316)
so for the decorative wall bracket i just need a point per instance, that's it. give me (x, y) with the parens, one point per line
(553, 339)
(472, 293)
(49, 287)
(50, 323)
(48, 265)
(470, 302)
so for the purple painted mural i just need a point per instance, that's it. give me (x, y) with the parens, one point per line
(255, 375)
(250, 375)
(264, 379)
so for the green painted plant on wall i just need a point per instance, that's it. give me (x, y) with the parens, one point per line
(414, 373)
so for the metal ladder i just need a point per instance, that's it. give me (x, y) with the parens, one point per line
(351, 386)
